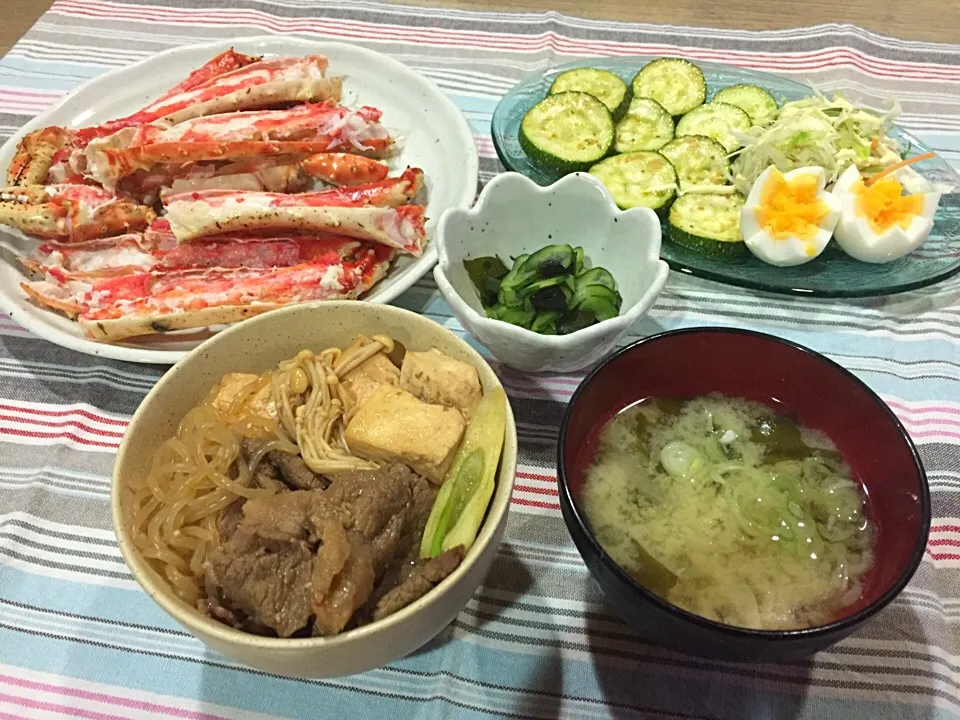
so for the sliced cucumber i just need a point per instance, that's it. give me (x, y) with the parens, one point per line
(638, 179)
(698, 160)
(568, 131)
(596, 276)
(646, 126)
(608, 88)
(676, 84)
(717, 120)
(708, 223)
(756, 102)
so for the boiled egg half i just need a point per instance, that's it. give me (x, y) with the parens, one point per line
(789, 217)
(878, 222)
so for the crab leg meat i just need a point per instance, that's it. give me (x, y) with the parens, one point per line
(71, 212)
(196, 215)
(144, 303)
(235, 135)
(267, 82)
(225, 62)
(134, 253)
(391, 192)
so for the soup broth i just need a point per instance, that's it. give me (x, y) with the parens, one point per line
(731, 511)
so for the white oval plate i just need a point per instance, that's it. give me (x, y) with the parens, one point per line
(434, 135)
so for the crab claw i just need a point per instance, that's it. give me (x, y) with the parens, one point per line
(35, 155)
(71, 213)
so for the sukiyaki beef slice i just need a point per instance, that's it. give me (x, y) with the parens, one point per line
(419, 583)
(360, 521)
(280, 467)
(314, 557)
(264, 569)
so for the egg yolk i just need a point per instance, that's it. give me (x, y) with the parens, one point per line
(791, 208)
(884, 205)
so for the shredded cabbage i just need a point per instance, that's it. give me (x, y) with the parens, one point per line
(831, 133)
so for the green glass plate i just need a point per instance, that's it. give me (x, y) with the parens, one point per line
(833, 274)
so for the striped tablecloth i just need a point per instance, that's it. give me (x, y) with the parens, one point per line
(79, 639)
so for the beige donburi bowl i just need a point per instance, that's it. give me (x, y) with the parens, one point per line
(257, 345)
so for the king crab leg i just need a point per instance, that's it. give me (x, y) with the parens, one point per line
(304, 129)
(150, 302)
(71, 213)
(135, 252)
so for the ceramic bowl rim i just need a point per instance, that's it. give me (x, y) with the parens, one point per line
(204, 627)
(848, 622)
(513, 332)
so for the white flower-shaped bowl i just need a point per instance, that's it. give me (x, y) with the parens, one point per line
(513, 216)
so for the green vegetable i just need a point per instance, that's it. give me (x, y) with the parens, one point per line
(681, 460)
(546, 323)
(550, 294)
(753, 100)
(716, 120)
(486, 273)
(577, 260)
(515, 279)
(586, 295)
(646, 126)
(698, 160)
(596, 276)
(708, 223)
(567, 132)
(602, 84)
(549, 261)
(547, 291)
(676, 84)
(638, 179)
(516, 316)
(462, 501)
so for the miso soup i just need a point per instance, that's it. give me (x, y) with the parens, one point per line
(730, 511)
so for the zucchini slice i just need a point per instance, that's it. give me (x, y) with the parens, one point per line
(698, 160)
(676, 84)
(717, 120)
(568, 131)
(638, 179)
(646, 126)
(756, 102)
(708, 223)
(607, 87)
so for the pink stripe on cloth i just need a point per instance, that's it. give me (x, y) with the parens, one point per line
(31, 94)
(108, 699)
(527, 43)
(62, 424)
(73, 437)
(11, 716)
(54, 707)
(97, 417)
(929, 409)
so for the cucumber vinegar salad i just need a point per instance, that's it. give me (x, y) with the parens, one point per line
(738, 174)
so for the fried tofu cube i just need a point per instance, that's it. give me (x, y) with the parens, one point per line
(437, 378)
(364, 379)
(393, 425)
(260, 403)
(230, 387)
